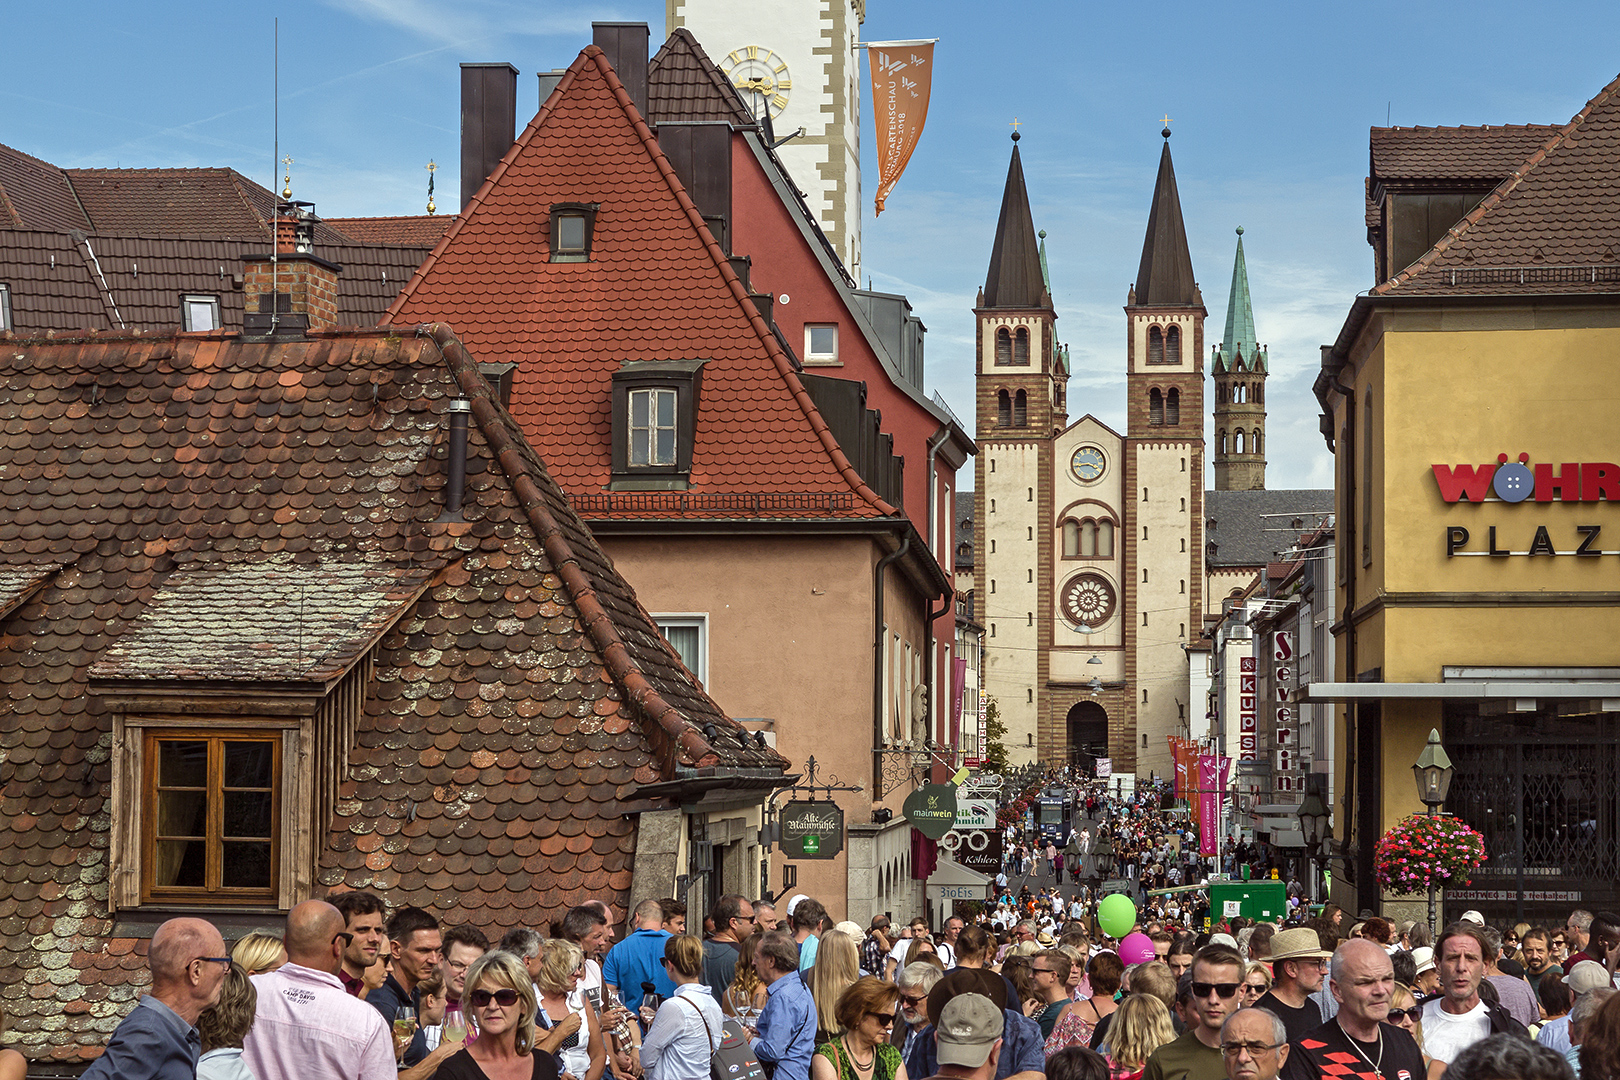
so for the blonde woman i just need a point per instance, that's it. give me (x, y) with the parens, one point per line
(746, 995)
(499, 997)
(1140, 1026)
(1405, 1014)
(582, 1055)
(259, 952)
(837, 966)
(1256, 983)
(224, 1024)
(686, 1030)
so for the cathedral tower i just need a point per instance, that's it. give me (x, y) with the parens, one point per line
(1164, 482)
(1020, 381)
(1239, 371)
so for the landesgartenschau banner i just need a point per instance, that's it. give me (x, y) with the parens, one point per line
(1211, 781)
(902, 76)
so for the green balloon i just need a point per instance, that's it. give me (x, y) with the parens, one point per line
(1116, 915)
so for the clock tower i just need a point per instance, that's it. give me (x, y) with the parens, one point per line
(796, 61)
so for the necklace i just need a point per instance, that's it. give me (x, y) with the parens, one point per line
(862, 1066)
(1356, 1046)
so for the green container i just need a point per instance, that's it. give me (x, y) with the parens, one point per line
(1264, 901)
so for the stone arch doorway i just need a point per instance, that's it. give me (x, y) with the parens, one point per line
(1087, 726)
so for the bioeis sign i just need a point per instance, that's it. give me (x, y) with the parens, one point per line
(812, 830)
(1513, 482)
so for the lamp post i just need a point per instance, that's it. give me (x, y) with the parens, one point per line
(1433, 771)
(1313, 817)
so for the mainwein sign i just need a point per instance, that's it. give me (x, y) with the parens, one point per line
(812, 830)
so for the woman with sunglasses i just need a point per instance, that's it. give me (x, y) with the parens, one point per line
(1560, 947)
(1405, 1014)
(500, 1001)
(1256, 983)
(865, 1012)
(686, 1029)
(582, 1055)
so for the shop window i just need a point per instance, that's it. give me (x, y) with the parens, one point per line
(210, 816)
(572, 226)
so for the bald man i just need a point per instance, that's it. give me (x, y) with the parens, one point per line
(1359, 1043)
(158, 1040)
(307, 1026)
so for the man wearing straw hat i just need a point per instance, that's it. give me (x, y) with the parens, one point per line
(1297, 963)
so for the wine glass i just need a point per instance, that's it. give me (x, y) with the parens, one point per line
(404, 1021)
(455, 1024)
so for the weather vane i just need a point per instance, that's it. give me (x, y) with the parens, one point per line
(286, 191)
(431, 167)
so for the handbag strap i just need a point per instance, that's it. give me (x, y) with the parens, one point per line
(708, 1033)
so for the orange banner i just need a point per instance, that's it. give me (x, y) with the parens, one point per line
(902, 75)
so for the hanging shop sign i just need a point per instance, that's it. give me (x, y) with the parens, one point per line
(931, 809)
(812, 830)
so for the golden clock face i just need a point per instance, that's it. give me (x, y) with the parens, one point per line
(1088, 599)
(761, 76)
(1088, 464)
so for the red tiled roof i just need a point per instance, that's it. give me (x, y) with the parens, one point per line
(35, 194)
(1552, 227)
(684, 86)
(515, 704)
(657, 287)
(423, 230)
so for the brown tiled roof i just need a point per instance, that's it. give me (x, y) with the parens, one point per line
(1488, 153)
(35, 194)
(219, 203)
(684, 86)
(515, 705)
(657, 287)
(1552, 227)
(421, 231)
(51, 285)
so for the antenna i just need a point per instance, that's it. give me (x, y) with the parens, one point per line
(275, 142)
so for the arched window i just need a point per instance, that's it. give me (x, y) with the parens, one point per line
(1088, 539)
(1155, 406)
(1021, 410)
(1221, 440)
(1155, 345)
(1003, 409)
(1237, 442)
(1259, 392)
(1172, 406)
(1021, 346)
(1172, 345)
(1071, 539)
(1003, 346)
(1257, 437)
(1105, 539)
(1220, 393)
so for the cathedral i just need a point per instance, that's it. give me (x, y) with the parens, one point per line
(1090, 551)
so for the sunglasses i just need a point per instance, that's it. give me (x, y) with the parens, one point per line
(505, 998)
(883, 1019)
(913, 1001)
(1225, 990)
(1413, 1014)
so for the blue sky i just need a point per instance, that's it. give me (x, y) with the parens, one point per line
(1271, 104)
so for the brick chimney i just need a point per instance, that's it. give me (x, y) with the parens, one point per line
(296, 291)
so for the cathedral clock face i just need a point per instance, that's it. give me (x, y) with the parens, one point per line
(761, 76)
(1089, 599)
(1088, 464)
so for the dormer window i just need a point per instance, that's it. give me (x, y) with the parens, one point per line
(572, 226)
(654, 410)
(5, 307)
(200, 312)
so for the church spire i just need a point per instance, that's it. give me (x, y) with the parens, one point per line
(1239, 339)
(1165, 278)
(1015, 279)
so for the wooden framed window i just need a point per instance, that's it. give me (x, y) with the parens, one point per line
(1003, 346)
(212, 827)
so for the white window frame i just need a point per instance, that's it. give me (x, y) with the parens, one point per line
(652, 428)
(5, 308)
(813, 357)
(198, 299)
(693, 619)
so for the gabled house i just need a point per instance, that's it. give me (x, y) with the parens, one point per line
(291, 614)
(758, 510)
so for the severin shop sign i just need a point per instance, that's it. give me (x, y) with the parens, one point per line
(1519, 481)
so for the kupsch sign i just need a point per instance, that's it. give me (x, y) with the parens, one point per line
(1513, 482)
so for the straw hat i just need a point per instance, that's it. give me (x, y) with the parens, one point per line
(1298, 944)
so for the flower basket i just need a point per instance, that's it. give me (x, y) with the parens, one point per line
(1424, 852)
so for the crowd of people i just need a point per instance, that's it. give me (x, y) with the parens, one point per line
(354, 991)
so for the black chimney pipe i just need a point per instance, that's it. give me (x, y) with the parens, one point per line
(456, 487)
(625, 45)
(488, 122)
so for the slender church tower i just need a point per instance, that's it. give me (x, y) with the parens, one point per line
(1239, 370)
(1164, 481)
(1020, 383)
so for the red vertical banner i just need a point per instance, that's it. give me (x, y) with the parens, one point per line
(902, 77)
(1211, 780)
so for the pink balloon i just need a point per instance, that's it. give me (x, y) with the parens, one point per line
(1137, 948)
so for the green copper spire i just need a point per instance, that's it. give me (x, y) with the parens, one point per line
(1238, 346)
(1046, 274)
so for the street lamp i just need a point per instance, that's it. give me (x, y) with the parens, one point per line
(1313, 819)
(1433, 772)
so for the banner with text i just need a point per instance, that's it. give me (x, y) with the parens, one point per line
(1211, 781)
(902, 76)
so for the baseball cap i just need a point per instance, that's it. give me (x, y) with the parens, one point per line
(1474, 917)
(1586, 976)
(958, 981)
(852, 929)
(797, 899)
(968, 1027)
(1423, 957)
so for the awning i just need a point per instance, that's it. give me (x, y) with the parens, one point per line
(1524, 693)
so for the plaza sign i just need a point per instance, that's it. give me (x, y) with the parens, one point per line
(1517, 482)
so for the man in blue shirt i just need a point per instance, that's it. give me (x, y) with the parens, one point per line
(639, 958)
(1023, 1052)
(158, 1039)
(786, 1035)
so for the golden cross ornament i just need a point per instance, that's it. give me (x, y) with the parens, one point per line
(1015, 125)
(286, 191)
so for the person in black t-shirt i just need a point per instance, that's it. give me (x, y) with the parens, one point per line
(1297, 959)
(1358, 1043)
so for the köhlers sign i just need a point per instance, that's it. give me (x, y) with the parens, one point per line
(812, 830)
